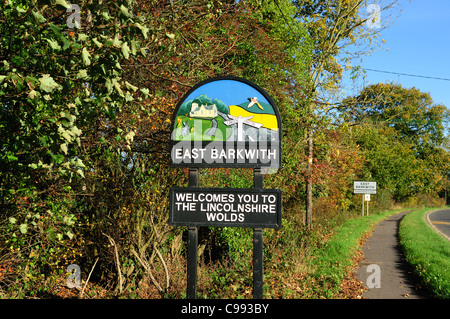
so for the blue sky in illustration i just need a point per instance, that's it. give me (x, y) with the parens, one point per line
(230, 92)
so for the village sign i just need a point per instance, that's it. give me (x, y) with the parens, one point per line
(226, 122)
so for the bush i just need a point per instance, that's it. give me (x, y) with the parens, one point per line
(42, 239)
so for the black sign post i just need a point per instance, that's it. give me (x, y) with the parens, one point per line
(226, 122)
(192, 245)
(258, 245)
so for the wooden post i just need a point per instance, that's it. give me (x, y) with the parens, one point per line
(362, 211)
(367, 208)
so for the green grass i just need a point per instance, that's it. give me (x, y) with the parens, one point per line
(330, 264)
(427, 251)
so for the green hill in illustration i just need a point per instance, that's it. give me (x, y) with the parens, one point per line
(203, 99)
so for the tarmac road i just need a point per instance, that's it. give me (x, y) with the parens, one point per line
(440, 220)
(384, 271)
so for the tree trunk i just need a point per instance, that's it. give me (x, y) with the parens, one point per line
(309, 179)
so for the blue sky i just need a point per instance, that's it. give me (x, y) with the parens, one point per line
(418, 43)
(228, 91)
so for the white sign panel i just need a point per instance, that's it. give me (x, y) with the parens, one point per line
(367, 197)
(360, 187)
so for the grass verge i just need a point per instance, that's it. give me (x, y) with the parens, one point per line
(427, 251)
(333, 262)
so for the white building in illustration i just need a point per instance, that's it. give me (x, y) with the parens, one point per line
(203, 111)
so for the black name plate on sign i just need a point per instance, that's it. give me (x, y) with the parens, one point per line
(226, 154)
(225, 207)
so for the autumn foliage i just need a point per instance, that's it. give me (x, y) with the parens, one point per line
(85, 116)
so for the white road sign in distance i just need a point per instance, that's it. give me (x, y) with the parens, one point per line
(361, 187)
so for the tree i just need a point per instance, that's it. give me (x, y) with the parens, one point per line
(403, 133)
(410, 112)
(58, 78)
(85, 108)
(334, 26)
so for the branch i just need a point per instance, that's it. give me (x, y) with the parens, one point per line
(116, 253)
(87, 280)
(164, 265)
(147, 268)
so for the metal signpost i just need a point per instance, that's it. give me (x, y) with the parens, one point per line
(226, 122)
(365, 188)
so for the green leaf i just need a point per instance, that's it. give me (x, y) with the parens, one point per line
(85, 56)
(47, 83)
(12, 158)
(80, 172)
(109, 85)
(67, 136)
(82, 74)
(130, 86)
(124, 10)
(97, 43)
(133, 47)
(62, 3)
(20, 10)
(116, 41)
(125, 50)
(105, 15)
(75, 131)
(45, 141)
(32, 94)
(118, 89)
(12, 220)
(66, 123)
(64, 148)
(82, 37)
(79, 163)
(143, 29)
(66, 43)
(69, 234)
(5, 65)
(23, 228)
(54, 44)
(38, 16)
(129, 137)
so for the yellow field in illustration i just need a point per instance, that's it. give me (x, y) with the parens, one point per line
(268, 120)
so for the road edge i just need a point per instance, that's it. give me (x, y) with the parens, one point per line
(434, 227)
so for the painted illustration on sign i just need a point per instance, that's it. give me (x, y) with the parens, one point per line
(225, 122)
(221, 117)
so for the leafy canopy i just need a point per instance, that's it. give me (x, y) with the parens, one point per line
(55, 80)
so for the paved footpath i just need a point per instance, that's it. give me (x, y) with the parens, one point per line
(383, 271)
